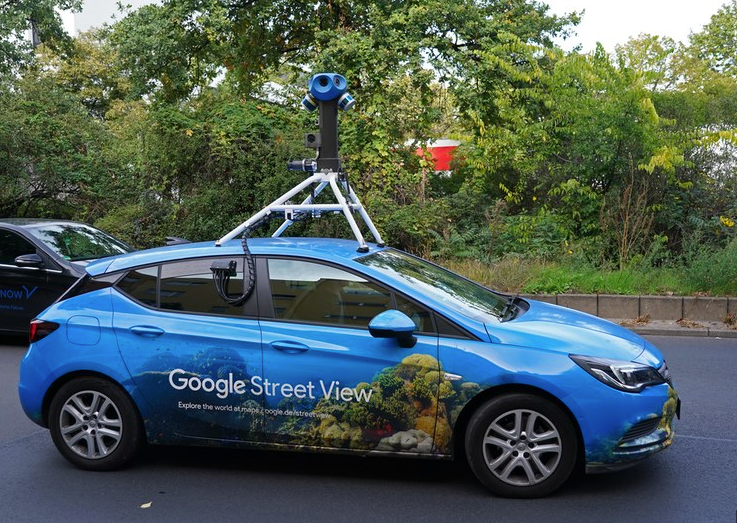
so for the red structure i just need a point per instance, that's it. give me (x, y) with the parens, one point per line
(441, 151)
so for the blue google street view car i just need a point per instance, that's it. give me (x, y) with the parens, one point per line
(375, 353)
(312, 344)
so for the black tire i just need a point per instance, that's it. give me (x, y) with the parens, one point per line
(521, 446)
(95, 425)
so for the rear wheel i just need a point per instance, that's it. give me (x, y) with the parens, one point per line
(94, 424)
(521, 445)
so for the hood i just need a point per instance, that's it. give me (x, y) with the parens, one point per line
(558, 329)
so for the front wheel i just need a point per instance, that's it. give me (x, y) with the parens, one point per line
(94, 424)
(521, 445)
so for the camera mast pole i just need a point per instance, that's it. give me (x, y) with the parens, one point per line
(327, 92)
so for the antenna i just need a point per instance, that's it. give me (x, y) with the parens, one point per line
(328, 93)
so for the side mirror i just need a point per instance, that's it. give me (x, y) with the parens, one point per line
(33, 261)
(394, 324)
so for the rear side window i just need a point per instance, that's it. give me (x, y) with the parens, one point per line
(183, 286)
(188, 287)
(140, 284)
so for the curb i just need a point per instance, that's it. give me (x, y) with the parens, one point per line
(697, 316)
(673, 328)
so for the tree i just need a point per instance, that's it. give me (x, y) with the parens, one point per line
(658, 59)
(51, 152)
(174, 49)
(717, 42)
(194, 168)
(90, 70)
(698, 103)
(18, 17)
(396, 56)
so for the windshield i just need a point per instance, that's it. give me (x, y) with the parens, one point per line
(454, 291)
(76, 241)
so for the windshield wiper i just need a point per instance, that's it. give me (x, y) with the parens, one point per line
(510, 309)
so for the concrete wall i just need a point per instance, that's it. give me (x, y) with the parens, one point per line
(696, 308)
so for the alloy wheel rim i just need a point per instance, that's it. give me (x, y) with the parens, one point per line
(522, 447)
(91, 425)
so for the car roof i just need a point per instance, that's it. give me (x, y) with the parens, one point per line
(33, 222)
(20, 225)
(319, 248)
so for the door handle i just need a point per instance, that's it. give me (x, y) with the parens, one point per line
(147, 331)
(290, 347)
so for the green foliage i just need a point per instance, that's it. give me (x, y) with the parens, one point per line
(603, 119)
(577, 207)
(575, 275)
(19, 16)
(698, 272)
(91, 70)
(51, 154)
(173, 48)
(211, 162)
(715, 43)
(412, 226)
(145, 223)
(715, 271)
(453, 243)
(540, 235)
(161, 125)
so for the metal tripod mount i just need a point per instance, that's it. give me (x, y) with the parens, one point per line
(327, 91)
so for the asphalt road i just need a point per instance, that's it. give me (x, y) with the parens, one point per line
(693, 481)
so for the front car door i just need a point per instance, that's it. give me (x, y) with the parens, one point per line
(25, 291)
(327, 382)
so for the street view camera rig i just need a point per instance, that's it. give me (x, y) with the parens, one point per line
(327, 92)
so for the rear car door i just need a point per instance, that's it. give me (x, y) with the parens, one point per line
(191, 355)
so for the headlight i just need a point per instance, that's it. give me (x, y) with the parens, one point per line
(622, 375)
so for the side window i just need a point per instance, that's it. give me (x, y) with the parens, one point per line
(140, 284)
(188, 286)
(420, 315)
(311, 292)
(12, 246)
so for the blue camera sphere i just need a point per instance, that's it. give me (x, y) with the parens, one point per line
(328, 86)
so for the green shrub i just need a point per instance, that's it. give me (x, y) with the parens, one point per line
(143, 224)
(539, 235)
(714, 271)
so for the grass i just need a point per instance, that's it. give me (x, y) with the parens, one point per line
(535, 276)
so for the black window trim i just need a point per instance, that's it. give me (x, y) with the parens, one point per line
(260, 306)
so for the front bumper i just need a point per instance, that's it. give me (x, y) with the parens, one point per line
(639, 440)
